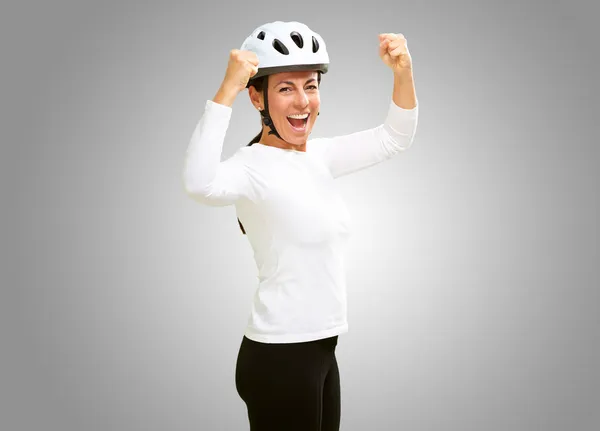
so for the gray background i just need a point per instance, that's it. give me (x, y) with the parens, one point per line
(473, 268)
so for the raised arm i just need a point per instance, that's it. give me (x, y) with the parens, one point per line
(205, 178)
(359, 150)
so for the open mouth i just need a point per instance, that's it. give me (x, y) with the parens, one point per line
(298, 125)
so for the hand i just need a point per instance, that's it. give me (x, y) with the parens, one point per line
(242, 66)
(393, 50)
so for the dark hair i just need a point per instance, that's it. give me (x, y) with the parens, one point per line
(259, 84)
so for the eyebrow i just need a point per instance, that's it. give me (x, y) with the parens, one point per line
(291, 83)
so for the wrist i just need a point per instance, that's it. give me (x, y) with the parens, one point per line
(403, 73)
(226, 95)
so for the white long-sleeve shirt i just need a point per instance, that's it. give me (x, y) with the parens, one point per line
(293, 215)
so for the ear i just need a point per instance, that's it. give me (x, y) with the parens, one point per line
(255, 97)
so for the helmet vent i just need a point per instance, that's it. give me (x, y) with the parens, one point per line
(297, 38)
(261, 35)
(315, 44)
(280, 47)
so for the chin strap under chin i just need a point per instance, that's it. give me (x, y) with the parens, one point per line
(269, 123)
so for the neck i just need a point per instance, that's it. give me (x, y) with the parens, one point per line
(274, 141)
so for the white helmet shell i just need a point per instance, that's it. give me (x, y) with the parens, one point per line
(287, 46)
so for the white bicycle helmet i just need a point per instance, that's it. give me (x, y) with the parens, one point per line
(285, 47)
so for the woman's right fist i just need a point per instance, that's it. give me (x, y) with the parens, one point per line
(242, 66)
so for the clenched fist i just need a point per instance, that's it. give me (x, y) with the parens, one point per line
(393, 50)
(242, 66)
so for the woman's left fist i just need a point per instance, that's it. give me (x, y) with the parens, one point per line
(394, 52)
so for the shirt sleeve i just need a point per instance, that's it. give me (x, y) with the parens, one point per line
(206, 178)
(351, 153)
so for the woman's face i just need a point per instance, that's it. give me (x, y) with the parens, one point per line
(294, 93)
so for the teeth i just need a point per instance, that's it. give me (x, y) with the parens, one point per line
(299, 116)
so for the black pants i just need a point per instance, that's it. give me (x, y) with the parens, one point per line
(290, 387)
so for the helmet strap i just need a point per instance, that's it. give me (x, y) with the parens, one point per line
(265, 113)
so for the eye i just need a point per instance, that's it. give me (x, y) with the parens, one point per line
(282, 90)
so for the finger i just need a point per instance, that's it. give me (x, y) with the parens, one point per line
(397, 42)
(396, 52)
(393, 38)
(384, 44)
(383, 48)
(253, 58)
(389, 36)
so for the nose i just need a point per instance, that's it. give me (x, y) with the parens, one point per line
(302, 99)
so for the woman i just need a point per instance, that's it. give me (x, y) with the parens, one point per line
(287, 203)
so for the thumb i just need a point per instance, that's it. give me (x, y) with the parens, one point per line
(383, 47)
